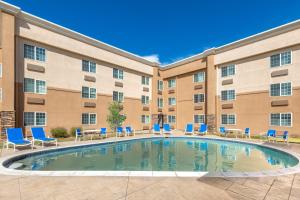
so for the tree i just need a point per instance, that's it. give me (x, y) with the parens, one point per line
(115, 118)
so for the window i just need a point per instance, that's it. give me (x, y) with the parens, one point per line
(145, 80)
(172, 83)
(228, 119)
(118, 96)
(281, 89)
(199, 77)
(88, 66)
(160, 102)
(88, 93)
(88, 118)
(281, 59)
(198, 98)
(172, 101)
(171, 119)
(227, 95)
(145, 119)
(0, 70)
(145, 100)
(199, 119)
(34, 119)
(35, 86)
(228, 70)
(34, 53)
(118, 74)
(281, 119)
(160, 85)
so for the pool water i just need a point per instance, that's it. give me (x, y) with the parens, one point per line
(163, 154)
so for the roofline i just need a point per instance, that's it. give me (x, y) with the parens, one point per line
(70, 33)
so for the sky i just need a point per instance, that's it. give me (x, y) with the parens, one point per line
(165, 30)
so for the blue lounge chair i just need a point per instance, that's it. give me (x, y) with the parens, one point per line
(247, 132)
(129, 131)
(119, 131)
(271, 135)
(103, 132)
(156, 129)
(167, 129)
(223, 131)
(38, 134)
(78, 134)
(189, 129)
(284, 136)
(202, 129)
(16, 138)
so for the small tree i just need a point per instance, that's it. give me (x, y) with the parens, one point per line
(114, 118)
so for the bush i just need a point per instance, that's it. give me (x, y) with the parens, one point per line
(59, 132)
(73, 130)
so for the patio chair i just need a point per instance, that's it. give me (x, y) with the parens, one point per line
(78, 134)
(284, 136)
(16, 138)
(129, 131)
(167, 129)
(120, 131)
(189, 129)
(156, 129)
(247, 132)
(271, 135)
(103, 132)
(223, 131)
(38, 134)
(202, 129)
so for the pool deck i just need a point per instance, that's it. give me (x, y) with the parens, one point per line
(128, 187)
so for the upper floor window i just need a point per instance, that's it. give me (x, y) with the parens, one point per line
(281, 119)
(0, 70)
(34, 53)
(171, 83)
(228, 119)
(160, 85)
(227, 95)
(118, 73)
(88, 66)
(228, 70)
(171, 119)
(199, 119)
(145, 80)
(160, 102)
(89, 93)
(35, 86)
(145, 119)
(145, 100)
(118, 96)
(172, 101)
(88, 118)
(281, 89)
(34, 119)
(199, 77)
(198, 98)
(280, 59)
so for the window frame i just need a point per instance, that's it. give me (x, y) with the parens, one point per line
(146, 119)
(34, 119)
(158, 102)
(280, 59)
(89, 92)
(171, 122)
(280, 89)
(228, 95)
(35, 86)
(200, 101)
(169, 101)
(170, 85)
(227, 67)
(34, 53)
(118, 73)
(1, 70)
(146, 80)
(203, 115)
(158, 85)
(118, 95)
(146, 98)
(280, 123)
(227, 115)
(89, 118)
(89, 63)
(198, 74)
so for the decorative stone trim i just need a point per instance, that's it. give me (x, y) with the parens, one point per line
(89, 105)
(198, 107)
(171, 91)
(159, 92)
(280, 103)
(171, 109)
(159, 110)
(118, 84)
(37, 101)
(227, 82)
(89, 78)
(35, 68)
(277, 73)
(198, 87)
(145, 108)
(145, 89)
(227, 106)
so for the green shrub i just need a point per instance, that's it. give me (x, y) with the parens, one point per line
(73, 130)
(59, 132)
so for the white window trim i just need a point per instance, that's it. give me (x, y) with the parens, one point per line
(1, 94)
(228, 76)
(158, 103)
(89, 118)
(118, 78)
(145, 117)
(199, 94)
(89, 93)
(34, 92)
(199, 115)
(171, 116)
(280, 65)
(145, 77)
(174, 84)
(230, 99)
(199, 81)
(119, 96)
(145, 99)
(34, 118)
(169, 101)
(34, 53)
(270, 119)
(159, 84)
(280, 90)
(1, 70)
(235, 119)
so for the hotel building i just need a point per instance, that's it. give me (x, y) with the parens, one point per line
(51, 76)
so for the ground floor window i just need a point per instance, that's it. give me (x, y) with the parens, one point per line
(88, 118)
(171, 119)
(199, 119)
(145, 119)
(228, 119)
(34, 119)
(281, 119)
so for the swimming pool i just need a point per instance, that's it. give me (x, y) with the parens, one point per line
(180, 154)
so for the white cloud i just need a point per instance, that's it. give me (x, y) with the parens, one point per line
(152, 58)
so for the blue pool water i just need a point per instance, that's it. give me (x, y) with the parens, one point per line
(163, 154)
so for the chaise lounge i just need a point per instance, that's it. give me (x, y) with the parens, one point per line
(38, 134)
(16, 138)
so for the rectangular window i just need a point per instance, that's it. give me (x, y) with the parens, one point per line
(29, 85)
(40, 54)
(88, 66)
(172, 101)
(171, 119)
(160, 102)
(280, 59)
(1, 95)
(199, 98)
(172, 83)
(118, 73)
(85, 118)
(145, 100)
(228, 70)
(0, 70)
(93, 118)
(35, 86)
(281, 119)
(228, 119)
(34, 119)
(160, 85)
(88, 93)
(40, 87)
(88, 118)
(199, 77)
(199, 119)
(29, 51)
(145, 80)
(281, 89)
(118, 96)
(227, 95)
(145, 119)
(34, 53)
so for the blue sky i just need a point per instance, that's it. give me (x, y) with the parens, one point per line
(169, 30)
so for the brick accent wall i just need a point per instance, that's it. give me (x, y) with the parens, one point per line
(7, 120)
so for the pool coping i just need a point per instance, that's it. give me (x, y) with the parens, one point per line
(285, 171)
